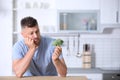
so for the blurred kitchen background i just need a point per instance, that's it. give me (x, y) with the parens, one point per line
(90, 30)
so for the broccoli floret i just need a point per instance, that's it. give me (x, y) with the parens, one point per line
(57, 42)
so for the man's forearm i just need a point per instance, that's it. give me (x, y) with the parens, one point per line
(22, 65)
(60, 67)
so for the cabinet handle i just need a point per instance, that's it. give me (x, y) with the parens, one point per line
(118, 74)
(117, 16)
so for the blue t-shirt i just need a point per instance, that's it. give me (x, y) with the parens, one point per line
(41, 63)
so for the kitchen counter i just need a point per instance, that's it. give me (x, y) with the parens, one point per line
(92, 70)
(44, 78)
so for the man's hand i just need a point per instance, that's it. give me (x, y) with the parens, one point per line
(59, 63)
(30, 43)
(56, 53)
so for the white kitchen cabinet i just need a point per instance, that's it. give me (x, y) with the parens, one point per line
(109, 11)
(78, 20)
(77, 4)
(111, 76)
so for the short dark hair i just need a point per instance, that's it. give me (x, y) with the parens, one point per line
(29, 22)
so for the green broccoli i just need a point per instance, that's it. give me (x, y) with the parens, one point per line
(57, 42)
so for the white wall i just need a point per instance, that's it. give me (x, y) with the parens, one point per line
(78, 4)
(5, 37)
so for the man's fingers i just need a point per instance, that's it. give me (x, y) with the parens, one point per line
(59, 49)
(56, 54)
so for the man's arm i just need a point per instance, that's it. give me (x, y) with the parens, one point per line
(59, 63)
(21, 65)
(61, 67)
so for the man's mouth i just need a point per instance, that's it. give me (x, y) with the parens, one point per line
(36, 39)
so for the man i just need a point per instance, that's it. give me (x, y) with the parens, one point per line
(35, 55)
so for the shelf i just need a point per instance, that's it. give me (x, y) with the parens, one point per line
(78, 21)
(33, 9)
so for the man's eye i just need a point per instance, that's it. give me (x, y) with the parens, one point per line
(37, 31)
(31, 33)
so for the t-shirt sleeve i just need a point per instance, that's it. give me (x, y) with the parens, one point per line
(16, 52)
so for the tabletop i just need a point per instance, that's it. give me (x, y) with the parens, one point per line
(44, 78)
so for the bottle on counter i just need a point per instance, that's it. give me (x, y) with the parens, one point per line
(86, 56)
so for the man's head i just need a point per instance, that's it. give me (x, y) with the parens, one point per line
(30, 29)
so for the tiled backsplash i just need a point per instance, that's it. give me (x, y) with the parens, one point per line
(106, 50)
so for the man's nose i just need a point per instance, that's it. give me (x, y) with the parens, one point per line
(35, 35)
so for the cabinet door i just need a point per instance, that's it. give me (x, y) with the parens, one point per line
(111, 76)
(77, 4)
(109, 10)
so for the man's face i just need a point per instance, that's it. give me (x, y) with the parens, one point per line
(32, 33)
